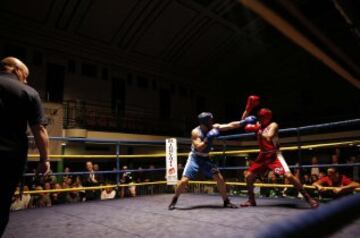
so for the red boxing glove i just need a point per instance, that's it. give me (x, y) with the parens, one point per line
(252, 127)
(252, 102)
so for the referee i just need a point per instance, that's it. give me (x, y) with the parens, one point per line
(20, 105)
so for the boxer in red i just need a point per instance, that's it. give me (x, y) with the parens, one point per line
(270, 156)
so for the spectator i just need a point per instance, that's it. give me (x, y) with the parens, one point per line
(307, 180)
(297, 171)
(314, 170)
(322, 174)
(76, 196)
(245, 173)
(20, 203)
(334, 159)
(274, 192)
(352, 171)
(66, 175)
(34, 180)
(73, 196)
(91, 181)
(108, 193)
(46, 196)
(49, 178)
(26, 197)
(39, 199)
(314, 178)
(16, 202)
(65, 184)
(78, 184)
(140, 175)
(289, 192)
(91, 178)
(257, 190)
(99, 177)
(127, 178)
(58, 197)
(69, 181)
(150, 178)
(343, 185)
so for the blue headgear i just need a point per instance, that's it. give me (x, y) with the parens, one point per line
(205, 118)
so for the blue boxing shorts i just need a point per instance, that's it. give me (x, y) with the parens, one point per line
(196, 163)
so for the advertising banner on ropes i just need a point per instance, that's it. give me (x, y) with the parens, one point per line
(171, 161)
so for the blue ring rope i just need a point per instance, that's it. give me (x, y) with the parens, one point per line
(187, 141)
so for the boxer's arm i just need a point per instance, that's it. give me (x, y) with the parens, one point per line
(271, 132)
(235, 124)
(198, 144)
(227, 126)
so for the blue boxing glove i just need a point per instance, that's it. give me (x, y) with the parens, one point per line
(211, 135)
(248, 120)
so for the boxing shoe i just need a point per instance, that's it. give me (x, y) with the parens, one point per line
(173, 203)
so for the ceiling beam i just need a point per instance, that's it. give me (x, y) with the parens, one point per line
(298, 38)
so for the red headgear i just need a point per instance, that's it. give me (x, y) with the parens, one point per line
(265, 116)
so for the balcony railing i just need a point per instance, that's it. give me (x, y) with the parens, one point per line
(104, 117)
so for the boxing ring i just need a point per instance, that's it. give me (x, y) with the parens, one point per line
(196, 215)
(147, 216)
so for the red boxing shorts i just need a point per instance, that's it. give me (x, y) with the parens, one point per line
(269, 161)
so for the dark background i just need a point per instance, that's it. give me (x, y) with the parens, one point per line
(217, 52)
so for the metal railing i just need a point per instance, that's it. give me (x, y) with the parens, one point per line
(78, 114)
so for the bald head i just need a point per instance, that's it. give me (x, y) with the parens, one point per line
(15, 66)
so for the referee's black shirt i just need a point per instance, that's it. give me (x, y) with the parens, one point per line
(19, 104)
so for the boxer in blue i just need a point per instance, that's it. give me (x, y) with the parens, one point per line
(198, 160)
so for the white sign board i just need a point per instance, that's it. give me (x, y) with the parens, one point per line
(171, 161)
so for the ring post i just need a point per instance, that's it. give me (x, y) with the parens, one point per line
(298, 136)
(118, 164)
(224, 153)
(60, 163)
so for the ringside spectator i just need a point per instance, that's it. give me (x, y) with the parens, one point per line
(343, 185)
